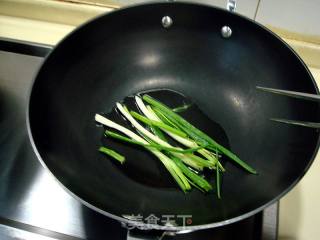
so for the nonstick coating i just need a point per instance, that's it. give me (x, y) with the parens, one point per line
(128, 51)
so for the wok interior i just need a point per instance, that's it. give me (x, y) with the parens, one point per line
(129, 51)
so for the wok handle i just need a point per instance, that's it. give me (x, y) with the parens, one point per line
(231, 5)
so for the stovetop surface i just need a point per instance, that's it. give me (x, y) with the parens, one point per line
(32, 202)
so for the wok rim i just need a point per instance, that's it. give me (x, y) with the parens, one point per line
(156, 226)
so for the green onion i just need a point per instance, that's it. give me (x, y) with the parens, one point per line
(195, 133)
(201, 161)
(159, 120)
(156, 131)
(196, 186)
(139, 127)
(185, 141)
(112, 154)
(218, 179)
(105, 121)
(148, 134)
(148, 111)
(195, 178)
(157, 124)
(185, 158)
(164, 118)
(181, 108)
(211, 157)
(218, 182)
(167, 162)
(149, 145)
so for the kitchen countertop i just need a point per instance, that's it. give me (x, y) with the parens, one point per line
(299, 209)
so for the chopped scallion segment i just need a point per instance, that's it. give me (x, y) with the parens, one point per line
(149, 145)
(113, 154)
(157, 124)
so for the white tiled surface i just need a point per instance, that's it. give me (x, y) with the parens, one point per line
(299, 16)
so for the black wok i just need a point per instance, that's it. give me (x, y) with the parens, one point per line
(129, 51)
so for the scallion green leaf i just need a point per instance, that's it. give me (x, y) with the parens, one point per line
(195, 178)
(149, 145)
